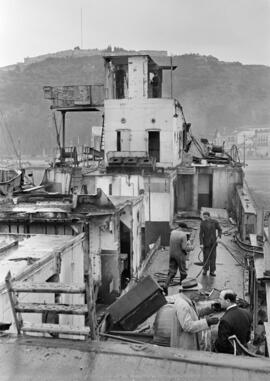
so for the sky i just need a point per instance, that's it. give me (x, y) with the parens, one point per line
(231, 30)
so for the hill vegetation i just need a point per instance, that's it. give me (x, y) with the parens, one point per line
(215, 95)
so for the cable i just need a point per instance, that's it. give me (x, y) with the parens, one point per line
(162, 277)
(236, 259)
(207, 259)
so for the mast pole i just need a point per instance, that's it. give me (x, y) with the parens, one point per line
(171, 77)
(81, 29)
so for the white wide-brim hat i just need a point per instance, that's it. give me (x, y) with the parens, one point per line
(190, 284)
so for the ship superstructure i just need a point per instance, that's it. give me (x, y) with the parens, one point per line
(123, 199)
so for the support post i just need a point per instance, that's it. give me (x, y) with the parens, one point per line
(13, 302)
(89, 286)
(171, 77)
(63, 135)
(266, 252)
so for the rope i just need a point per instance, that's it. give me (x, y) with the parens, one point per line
(236, 259)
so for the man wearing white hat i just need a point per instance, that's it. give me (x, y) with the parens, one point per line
(186, 325)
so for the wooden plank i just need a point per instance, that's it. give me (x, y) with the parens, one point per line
(55, 328)
(48, 287)
(74, 309)
(267, 288)
(89, 284)
(5, 246)
(13, 301)
(267, 335)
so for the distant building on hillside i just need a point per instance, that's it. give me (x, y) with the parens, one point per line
(262, 142)
(77, 52)
(255, 141)
(237, 138)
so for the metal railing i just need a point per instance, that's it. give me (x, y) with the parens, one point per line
(75, 96)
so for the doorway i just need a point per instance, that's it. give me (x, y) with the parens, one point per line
(154, 144)
(205, 194)
(123, 140)
(125, 243)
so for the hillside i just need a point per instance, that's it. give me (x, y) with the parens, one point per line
(215, 95)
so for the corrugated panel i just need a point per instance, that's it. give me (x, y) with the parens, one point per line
(186, 170)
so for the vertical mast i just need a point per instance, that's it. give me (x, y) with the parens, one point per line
(171, 77)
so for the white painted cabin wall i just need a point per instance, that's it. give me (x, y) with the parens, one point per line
(224, 182)
(137, 116)
(72, 271)
(172, 200)
(160, 207)
(176, 139)
(138, 77)
(104, 235)
(162, 202)
(220, 189)
(122, 185)
(61, 178)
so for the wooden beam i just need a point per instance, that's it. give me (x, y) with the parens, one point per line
(48, 287)
(267, 334)
(89, 286)
(267, 290)
(13, 301)
(55, 328)
(70, 309)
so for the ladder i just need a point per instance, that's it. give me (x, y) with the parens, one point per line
(19, 308)
(102, 134)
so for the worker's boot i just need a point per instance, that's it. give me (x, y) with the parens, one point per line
(167, 283)
(182, 277)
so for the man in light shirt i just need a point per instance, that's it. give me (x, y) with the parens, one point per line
(177, 254)
(187, 325)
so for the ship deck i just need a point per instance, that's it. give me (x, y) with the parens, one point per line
(230, 272)
(36, 358)
(28, 359)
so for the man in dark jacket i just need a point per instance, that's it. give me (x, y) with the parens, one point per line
(235, 321)
(208, 242)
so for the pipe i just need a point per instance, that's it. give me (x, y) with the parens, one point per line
(121, 338)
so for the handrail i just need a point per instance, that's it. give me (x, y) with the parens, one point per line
(239, 348)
